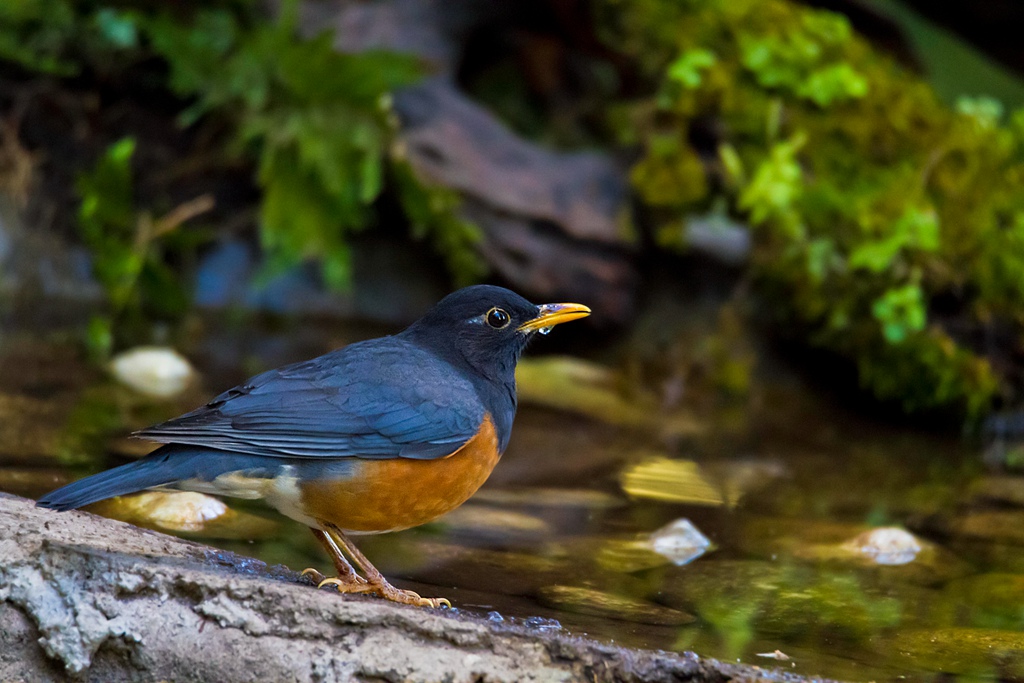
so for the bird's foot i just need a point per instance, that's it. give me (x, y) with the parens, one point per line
(348, 586)
(389, 592)
(358, 584)
(346, 583)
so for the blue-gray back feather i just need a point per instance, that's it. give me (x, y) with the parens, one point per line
(388, 399)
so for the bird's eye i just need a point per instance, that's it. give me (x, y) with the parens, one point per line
(497, 318)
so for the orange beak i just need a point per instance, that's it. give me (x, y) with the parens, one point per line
(555, 314)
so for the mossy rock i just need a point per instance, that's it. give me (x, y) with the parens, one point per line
(888, 227)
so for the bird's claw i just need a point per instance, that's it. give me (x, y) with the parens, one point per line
(316, 576)
(344, 586)
(371, 581)
(319, 579)
(437, 602)
(387, 591)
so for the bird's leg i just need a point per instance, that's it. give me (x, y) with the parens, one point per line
(377, 583)
(347, 576)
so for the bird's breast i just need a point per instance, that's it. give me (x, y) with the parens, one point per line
(399, 493)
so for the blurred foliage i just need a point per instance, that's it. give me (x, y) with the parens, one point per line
(888, 227)
(127, 247)
(316, 124)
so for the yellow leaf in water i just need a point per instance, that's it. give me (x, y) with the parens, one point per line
(671, 481)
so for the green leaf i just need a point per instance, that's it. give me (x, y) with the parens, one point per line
(901, 312)
(833, 83)
(432, 215)
(313, 71)
(107, 193)
(777, 182)
(36, 34)
(117, 27)
(916, 228)
(337, 269)
(986, 111)
(821, 256)
(687, 68)
(99, 337)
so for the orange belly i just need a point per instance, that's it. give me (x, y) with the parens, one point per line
(399, 493)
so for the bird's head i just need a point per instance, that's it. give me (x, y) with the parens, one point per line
(488, 326)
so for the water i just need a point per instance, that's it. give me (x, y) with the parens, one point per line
(781, 484)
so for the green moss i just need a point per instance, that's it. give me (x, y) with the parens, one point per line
(871, 201)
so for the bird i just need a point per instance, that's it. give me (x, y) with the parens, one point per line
(377, 436)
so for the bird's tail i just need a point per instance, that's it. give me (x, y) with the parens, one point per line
(157, 469)
(169, 464)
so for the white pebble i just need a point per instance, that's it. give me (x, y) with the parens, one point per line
(679, 541)
(887, 545)
(178, 510)
(155, 371)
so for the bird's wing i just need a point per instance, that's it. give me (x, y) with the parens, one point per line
(387, 399)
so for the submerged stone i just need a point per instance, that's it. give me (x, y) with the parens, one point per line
(611, 606)
(484, 521)
(595, 391)
(994, 600)
(629, 555)
(889, 552)
(1006, 526)
(992, 654)
(781, 600)
(679, 543)
(740, 476)
(1002, 489)
(498, 572)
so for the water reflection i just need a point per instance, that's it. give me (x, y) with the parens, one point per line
(787, 494)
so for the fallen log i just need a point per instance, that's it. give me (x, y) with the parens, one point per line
(101, 600)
